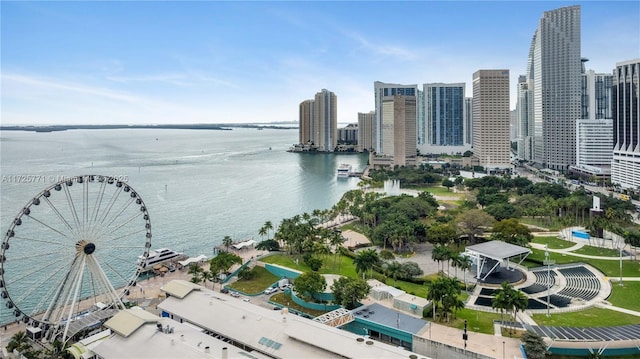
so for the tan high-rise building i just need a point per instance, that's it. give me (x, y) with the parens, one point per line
(325, 121)
(306, 121)
(399, 128)
(491, 116)
(366, 131)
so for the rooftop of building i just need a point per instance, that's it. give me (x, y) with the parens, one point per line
(277, 334)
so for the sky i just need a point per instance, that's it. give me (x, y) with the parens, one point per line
(182, 62)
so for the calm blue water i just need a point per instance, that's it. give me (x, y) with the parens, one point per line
(198, 185)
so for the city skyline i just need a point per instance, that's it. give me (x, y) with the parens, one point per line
(200, 62)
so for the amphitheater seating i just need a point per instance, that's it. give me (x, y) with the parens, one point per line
(542, 280)
(581, 283)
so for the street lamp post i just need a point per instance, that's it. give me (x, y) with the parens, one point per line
(620, 282)
(548, 262)
(464, 336)
(503, 357)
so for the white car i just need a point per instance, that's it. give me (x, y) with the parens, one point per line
(270, 290)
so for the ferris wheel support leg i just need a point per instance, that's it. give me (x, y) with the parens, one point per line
(108, 289)
(74, 302)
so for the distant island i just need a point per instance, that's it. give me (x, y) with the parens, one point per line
(211, 126)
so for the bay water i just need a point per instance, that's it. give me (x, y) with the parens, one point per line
(198, 185)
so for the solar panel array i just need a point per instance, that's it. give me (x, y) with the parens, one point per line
(624, 332)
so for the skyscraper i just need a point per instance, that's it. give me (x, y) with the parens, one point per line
(625, 167)
(555, 79)
(468, 120)
(306, 129)
(524, 116)
(444, 114)
(399, 129)
(366, 124)
(596, 95)
(325, 126)
(381, 91)
(491, 142)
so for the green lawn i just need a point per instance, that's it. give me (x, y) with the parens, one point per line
(477, 321)
(597, 251)
(286, 301)
(594, 317)
(440, 191)
(259, 283)
(625, 296)
(553, 225)
(553, 242)
(342, 265)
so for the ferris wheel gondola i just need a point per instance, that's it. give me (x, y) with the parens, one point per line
(72, 251)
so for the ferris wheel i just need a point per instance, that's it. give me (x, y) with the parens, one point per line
(73, 253)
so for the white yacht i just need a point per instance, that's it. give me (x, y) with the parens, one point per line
(159, 256)
(344, 170)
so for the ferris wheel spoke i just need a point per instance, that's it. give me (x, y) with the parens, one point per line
(136, 216)
(93, 224)
(112, 201)
(38, 287)
(119, 212)
(38, 255)
(116, 272)
(99, 197)
(34, 271)
(72, 207)
(52, 272)
(128, 235)
(46, 225)
(38, 240)
(60, 216)
(112, 257)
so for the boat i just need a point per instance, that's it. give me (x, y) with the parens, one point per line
(344, 170)
(159, 256)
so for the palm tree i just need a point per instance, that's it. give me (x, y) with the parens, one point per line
(196, 273)
(441, 288)
(509, 299)
(262, 232)
(439, 254)
(208, 275)
(394, 270)
(465, 264)
(227, 242)
(268, 226)
(365, 260)
(19, 342)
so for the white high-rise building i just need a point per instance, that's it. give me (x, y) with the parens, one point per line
(594, 143)
(524, 118)
(325, 121)
(625, 167)
(555, 79)
(366, 126)
(491, 118)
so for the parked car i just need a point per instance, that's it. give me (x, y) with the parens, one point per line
(270, 290)
(246, 299)
(224, 290)
(235, 294)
